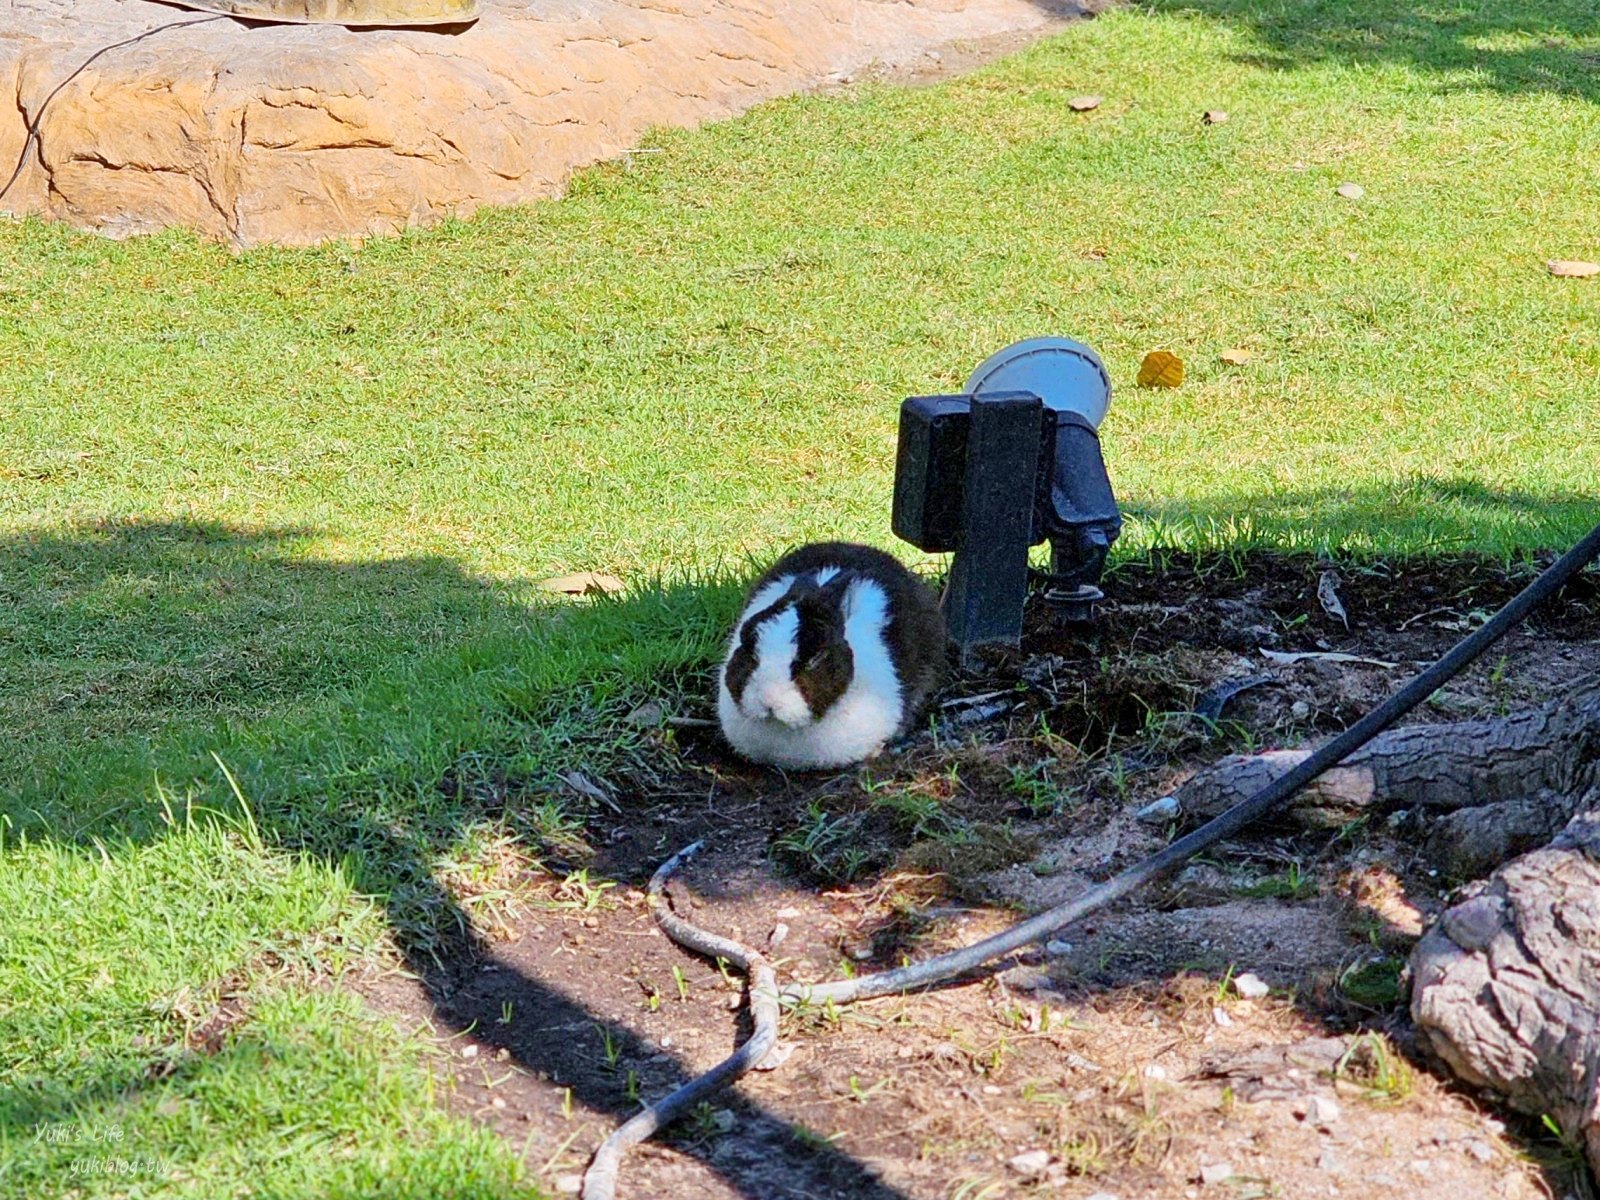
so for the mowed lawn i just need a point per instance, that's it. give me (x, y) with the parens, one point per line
(283, 511)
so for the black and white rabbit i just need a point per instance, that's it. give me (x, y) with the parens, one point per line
(837, 651)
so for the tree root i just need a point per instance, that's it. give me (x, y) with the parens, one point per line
(600, 1181)
(1495, 787)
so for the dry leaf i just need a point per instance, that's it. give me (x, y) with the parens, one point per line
(1328, 597)
(1237, 357)
(1161, 368)
(1084, 103)
(588, 789)
(584, 583)
(1214, 116)
(1351, 191)
(1573, 268)
(648, 714)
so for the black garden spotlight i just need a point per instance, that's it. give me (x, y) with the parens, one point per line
(1012, 462)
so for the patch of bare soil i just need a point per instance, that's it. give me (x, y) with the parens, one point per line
(1127, 1058)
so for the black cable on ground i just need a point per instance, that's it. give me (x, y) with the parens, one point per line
(32, 135)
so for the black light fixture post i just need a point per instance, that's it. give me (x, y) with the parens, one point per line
(1010, 464)
(988, 582)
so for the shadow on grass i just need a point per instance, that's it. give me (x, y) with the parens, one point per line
(1539, 46)
(120, 639)
(1422, 516)
(165, 628)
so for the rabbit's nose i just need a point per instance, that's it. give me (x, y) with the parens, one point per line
(783, 703)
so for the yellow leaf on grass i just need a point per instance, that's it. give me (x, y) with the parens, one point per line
(1161, 368)
(1237, 357)
(1572, 268)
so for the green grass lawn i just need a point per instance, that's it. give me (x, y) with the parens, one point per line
(286, 507)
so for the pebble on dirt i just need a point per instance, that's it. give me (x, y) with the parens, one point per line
(1159, 812)
(1033, 1162)
(1250, 986)
(1212, 1173)
(1323, 1111)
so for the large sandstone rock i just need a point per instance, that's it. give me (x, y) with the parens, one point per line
(292, 134)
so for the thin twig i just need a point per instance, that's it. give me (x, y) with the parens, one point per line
(600, 1182)
(688, 723)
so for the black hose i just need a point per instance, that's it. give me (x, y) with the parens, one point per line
(1226, 824)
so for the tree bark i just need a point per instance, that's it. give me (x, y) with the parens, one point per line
(1498, 786)
(1505, 986)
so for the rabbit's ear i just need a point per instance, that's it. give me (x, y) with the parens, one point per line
(833, 592)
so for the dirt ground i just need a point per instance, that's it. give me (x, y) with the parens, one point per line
(1121, 1060)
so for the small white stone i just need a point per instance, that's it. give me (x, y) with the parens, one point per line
(1323, 1111)
(1351, 191)
(1033, 1162)
(1057, 949)
(1159, 812)
(722, 1120)
(1155, 1071)
(1250, 986)
(1213, 1173)
(569, 1185)
(1420, 1166)
(1300, 710)
(497, 1102)
(469, 1052)
(1102, 1196)
(1221, 1017)
(1480, 1150)
(788, 914)
(1330, 1162)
